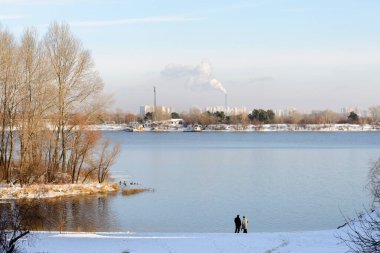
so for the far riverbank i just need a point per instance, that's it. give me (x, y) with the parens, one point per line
(247, 128)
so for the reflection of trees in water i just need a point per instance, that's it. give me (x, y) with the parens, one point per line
(91, 213)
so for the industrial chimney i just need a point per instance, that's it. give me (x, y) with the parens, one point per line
(225, 100)
(155, 104)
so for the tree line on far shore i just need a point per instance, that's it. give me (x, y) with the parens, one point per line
(256, 117)
(49, 92)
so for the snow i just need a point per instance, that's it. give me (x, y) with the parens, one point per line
(53, 190)
(295, 242)
(253, 128)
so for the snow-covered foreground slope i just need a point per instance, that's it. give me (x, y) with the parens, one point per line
(300, 242)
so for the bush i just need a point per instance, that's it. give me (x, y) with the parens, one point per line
(128, 192)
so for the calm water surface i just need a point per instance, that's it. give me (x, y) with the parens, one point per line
(280, 181)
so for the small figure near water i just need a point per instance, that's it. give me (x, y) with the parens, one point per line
(237, 224)
(244, 225)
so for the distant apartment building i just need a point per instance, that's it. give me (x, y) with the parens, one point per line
(227, 110)
(285, 112)
(279, 113)
(348, 109)
(316, 111)
(365, 113)
(144, 109)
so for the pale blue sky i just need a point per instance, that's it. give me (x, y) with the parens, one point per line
(266, 53)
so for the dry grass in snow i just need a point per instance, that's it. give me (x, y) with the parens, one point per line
(54, 190)
(127, 192)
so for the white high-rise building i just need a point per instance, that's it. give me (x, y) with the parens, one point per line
(144, 109)
(348, 109)
(227, 110)
(289, 111)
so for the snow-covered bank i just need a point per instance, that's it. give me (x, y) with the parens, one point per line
(297, 242)
(54, 190)
(249, 128)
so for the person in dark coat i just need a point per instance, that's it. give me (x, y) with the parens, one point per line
(237, 224)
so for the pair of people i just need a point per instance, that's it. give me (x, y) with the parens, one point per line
(241, 225)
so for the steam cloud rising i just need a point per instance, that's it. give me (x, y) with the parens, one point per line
(196, 78)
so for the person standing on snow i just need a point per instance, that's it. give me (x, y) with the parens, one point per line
(244, 226)
(237, 224)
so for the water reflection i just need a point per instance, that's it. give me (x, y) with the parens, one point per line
(81, 213)
(280, 181)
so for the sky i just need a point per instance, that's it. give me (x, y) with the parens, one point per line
(311, 55)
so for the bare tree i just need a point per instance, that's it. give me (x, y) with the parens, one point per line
(375, 113)
(362, 234)
(8, 101)
(82, 143)
(11, 229)
(75, 80)
(49, 94)
(107, 158)
(103, 159)
(374, 182)
(16, 221)
(130, 117)
(35, 93)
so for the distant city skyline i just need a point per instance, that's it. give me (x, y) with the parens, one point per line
(312, 55)
(238, 110)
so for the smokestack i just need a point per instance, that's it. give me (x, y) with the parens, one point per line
(225, 100)
(154, 108)
(154, 91)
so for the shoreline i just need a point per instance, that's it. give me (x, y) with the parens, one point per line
(249, 128)
(45, 191)
(81, 242)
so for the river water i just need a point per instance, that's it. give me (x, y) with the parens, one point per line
(282, 181)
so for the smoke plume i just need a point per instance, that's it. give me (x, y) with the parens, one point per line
(196, 78)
